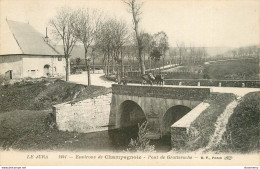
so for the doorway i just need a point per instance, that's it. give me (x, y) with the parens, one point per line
(46, 69)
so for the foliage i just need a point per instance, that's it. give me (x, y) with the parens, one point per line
(141, 144)
(78, 60)
(156, 55)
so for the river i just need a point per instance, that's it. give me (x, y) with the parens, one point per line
(118, 140)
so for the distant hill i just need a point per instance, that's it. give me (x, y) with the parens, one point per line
(213, 51)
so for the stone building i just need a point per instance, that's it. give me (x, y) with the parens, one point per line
(24, 52)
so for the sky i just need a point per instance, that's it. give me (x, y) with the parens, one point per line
(208, 23)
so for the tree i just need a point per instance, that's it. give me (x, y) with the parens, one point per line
(104, 42)
(62, 29)
(147, 45)
(135, 9)
(161, 42)
(182, 51)
(156, 55)
(113, 36)
(173, 54)
(85, 28)
(119, 39)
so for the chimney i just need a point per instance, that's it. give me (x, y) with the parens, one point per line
(46, 32)
(46, 37)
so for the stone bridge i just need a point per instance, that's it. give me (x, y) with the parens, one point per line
(160, 106)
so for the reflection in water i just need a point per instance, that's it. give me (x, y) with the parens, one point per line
(118, 140)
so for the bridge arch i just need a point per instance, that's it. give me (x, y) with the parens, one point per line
(172, 115)
(131, 114)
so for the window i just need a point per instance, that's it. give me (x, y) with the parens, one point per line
(59, 58)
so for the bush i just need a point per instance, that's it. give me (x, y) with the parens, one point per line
(141, 144)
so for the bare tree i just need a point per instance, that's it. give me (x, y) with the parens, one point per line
(112, 38)
(135, 9)
(182, 51)
(173, 54)
(85, 27)
(62, 29)
(104, 43)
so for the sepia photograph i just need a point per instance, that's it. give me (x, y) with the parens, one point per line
(129, 82)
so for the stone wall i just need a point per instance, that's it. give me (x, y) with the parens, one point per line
(216, 83)
(84, 116)
(191, 93)
(181, 128)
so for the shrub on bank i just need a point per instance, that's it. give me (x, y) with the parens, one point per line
(141, 144)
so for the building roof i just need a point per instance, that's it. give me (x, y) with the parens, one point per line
(77, 52)
(22, 38)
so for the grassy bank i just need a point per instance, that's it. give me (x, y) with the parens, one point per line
(204, 125)
(242, 132)
(42, 94)
(26, 122)
(234, 70)
(30, 130)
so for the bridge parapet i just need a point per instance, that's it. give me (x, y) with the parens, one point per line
(192, 93)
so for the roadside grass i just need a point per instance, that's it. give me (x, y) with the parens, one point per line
(204, 125)
(27, 130)
(243, 128)
(42, 95)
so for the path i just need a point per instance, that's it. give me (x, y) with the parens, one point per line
(96, 79)
(164, 67)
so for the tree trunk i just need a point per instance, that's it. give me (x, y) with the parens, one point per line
(93, 65)
(89, 80)
(118, 74)
(122, 64)
(141, 61)
(87, 66)
(150, 62)
(113, 63)
(67, 68)
(163, 61)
